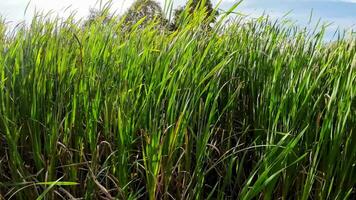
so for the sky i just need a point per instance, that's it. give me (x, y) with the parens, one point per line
(341, 13)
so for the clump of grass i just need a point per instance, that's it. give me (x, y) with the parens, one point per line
(249, 110)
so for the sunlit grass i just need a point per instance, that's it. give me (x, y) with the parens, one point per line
(248, 110)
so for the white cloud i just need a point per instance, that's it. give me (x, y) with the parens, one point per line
(14, 10)
(80, 6)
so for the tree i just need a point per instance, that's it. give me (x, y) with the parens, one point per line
(192, 6)
(148, 9)
(100, 15)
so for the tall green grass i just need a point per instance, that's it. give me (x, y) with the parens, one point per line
(252, 109)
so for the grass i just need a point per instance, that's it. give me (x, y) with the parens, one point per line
(248, 110)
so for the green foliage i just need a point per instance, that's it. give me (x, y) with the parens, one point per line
(194, 6)
(249, 110)
(146, 10)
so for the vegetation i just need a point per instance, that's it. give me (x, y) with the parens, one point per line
(147, 10)
(101, 15)
(252, 109)
(180, 14)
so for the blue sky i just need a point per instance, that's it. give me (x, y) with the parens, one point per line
(342, 13)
